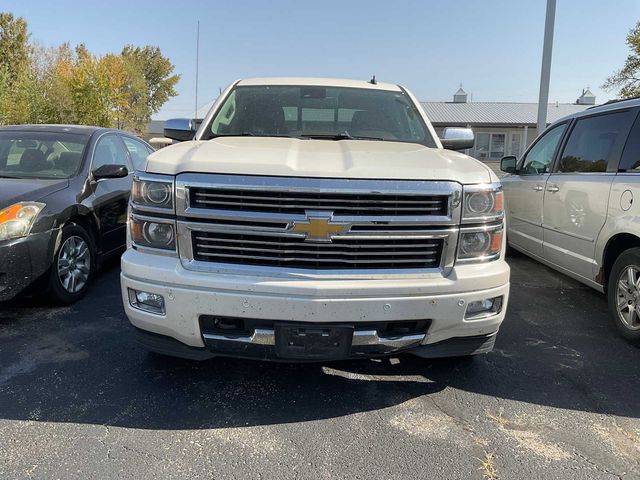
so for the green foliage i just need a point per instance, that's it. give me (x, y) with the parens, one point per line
(72, 85)
(627, 79)
(14, 46)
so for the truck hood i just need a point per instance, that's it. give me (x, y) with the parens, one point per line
(14, 190)
(294, 157)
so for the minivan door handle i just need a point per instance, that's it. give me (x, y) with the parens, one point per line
(553, 188)
(538, 187)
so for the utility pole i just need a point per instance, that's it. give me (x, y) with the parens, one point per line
(547, 48)
(195, 114)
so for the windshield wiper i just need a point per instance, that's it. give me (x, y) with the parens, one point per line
(248, 134)
(338, 136)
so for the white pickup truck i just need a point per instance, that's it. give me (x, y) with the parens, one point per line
(313, 220)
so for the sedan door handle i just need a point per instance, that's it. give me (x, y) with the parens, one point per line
(537, 187)
(553, 188)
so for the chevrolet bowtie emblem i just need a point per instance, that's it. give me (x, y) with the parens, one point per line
(319, 227)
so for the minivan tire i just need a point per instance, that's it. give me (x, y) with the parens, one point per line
(629, 259)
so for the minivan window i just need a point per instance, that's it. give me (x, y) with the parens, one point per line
(592, 141)
(539, 158)
(331, 113)
(631, 155)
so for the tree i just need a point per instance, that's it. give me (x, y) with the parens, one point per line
(14, 46)
(151, 84)
(72, 85)
(627, 79)
(14, 69)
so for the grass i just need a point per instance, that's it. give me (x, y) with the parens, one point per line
(488, 467)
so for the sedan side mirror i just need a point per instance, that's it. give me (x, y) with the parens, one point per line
(180, 129)
(508, 164)
(456, 138)
(110, 171)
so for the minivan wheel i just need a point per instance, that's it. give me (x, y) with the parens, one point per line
(73, 266)
(624, 294)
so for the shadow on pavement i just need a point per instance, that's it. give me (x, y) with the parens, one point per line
(79, 364)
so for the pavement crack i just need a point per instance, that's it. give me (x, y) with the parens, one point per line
(598, 467)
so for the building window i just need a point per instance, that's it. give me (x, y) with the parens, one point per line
(515, 144)
(490, 146)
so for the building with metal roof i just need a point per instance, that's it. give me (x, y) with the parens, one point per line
(501, 128)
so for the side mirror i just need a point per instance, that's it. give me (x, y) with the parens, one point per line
(180, 129)
(456, 138)
(508, 164)
(110, 171)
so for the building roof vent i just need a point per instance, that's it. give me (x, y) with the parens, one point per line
(587, 98)
(460, 96)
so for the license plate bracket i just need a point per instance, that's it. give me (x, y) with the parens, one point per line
(310, 342)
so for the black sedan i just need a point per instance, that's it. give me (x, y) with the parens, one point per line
(64, 192)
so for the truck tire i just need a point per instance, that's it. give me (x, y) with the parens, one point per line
(73, 266)
(623, 294)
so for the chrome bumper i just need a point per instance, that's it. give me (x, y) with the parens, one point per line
(361, 338)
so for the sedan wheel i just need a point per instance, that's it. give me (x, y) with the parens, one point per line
(628, 297)
(74, 264)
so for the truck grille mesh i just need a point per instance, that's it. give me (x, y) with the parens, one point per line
(347, 204)
(342, 253)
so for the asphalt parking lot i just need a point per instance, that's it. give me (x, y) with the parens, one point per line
(558, 398)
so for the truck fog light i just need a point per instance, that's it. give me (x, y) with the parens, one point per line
(146, 301)
(483, 308)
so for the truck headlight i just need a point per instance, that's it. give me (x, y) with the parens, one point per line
(152, 233)
(152, 191)
(482, 203)
(16, 220)
(480, 244)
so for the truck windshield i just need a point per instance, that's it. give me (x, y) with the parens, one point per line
(328, 113)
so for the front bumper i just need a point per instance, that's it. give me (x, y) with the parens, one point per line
(361, 303)
(22, 261)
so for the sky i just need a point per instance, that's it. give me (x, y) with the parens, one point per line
(492, 47)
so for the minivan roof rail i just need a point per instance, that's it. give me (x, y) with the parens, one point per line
(618, 100)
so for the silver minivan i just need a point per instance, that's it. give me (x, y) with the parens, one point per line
(570, 203)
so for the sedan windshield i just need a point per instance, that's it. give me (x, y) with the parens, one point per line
(325, 113)
(40, 154)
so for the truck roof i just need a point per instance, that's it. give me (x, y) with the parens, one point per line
(324, 82)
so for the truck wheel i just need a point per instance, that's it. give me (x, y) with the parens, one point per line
(73, 266)
(624, 295)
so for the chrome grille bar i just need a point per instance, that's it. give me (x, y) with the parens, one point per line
(228, 222)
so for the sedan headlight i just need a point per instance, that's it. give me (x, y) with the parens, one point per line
(16, 220)
(480, 244)
(152, 233)
(152, 193)
(482, 203)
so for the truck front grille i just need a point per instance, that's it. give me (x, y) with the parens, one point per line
(307, 225)
(341, 253)
(299, 202)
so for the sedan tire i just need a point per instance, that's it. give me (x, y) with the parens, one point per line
(73, 266)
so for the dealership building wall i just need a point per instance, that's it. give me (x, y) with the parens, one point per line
(501, 128)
